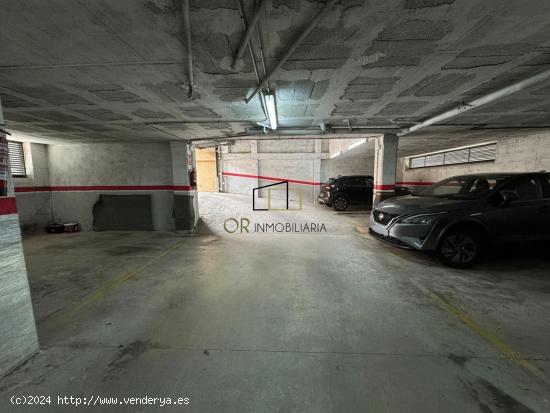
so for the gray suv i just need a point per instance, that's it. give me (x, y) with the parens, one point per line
(457, 218)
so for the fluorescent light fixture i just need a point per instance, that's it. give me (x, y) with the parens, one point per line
(356, 144)
(334, 155)
(271, 110)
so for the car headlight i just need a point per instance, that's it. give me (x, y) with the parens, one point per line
(424, 219)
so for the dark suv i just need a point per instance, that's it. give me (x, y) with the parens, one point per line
(460, 216)
(344, 191)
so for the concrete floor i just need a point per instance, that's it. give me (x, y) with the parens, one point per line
(331, 322)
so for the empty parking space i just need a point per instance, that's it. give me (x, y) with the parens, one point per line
(275, 206)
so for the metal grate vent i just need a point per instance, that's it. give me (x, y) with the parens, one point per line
(481, 153)
(435, 160)
(460, 156)
(419, 162)
(17, 159)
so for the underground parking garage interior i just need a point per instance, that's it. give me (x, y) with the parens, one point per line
(275, 206)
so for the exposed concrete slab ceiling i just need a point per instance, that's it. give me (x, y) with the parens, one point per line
(100, 70)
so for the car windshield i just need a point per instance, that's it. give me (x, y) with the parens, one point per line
(464, 187)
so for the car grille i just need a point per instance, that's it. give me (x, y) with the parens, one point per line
(385, 219)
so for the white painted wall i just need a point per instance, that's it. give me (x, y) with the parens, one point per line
(110, 164)
(297, 159)
(356, 161)
(34, 208)
(514, 154)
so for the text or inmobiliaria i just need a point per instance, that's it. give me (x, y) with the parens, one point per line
(243, 225)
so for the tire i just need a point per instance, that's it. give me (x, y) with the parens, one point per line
(461, 248)
(340, 203)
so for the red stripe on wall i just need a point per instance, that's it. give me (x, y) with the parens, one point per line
(294, 181)
(271, 178)
(8, 206)
(183, 188)
(384, 187)
(79, 188)
(32, 189)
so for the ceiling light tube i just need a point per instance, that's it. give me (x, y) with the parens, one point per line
(356, 144)
(271, 109)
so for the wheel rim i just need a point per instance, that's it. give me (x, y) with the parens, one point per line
(459, 248)
(340, 203)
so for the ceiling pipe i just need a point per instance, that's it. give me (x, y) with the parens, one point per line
(293, 48)
(261, 47)
(187, 24)
(366, 128)
(262, 55)
(243, 21)
(317, 131)
(248, 34)
(252, 56)
(476, 103)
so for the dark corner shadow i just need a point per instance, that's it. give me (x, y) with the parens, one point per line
(517, 257)
(505, 259)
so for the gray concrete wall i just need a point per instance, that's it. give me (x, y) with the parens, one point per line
(517, 154)
(354, 165)
(34, 200)
(286, 159)
(299, 159)
(298, 169)
(110, 165)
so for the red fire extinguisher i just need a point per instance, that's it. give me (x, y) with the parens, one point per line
(192, 177)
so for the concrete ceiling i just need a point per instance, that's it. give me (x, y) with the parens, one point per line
(103, 70)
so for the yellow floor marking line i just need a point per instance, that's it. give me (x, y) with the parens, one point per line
(489, 337)
(65, 314)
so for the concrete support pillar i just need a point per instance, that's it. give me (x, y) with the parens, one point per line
(18, 339)
(186, 203)
(385, 164)
(317, 169)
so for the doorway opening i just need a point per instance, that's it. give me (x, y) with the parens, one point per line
(207, 171)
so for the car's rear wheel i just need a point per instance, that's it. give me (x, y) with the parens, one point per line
(340, 203)
(461, 248)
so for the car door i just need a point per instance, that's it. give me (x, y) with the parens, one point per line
(519, 220)
(357, 188)
(348, 189)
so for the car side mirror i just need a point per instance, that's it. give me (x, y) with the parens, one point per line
(507, 196)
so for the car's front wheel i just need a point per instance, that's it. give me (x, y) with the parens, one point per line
(461, 248)
(340, 203)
